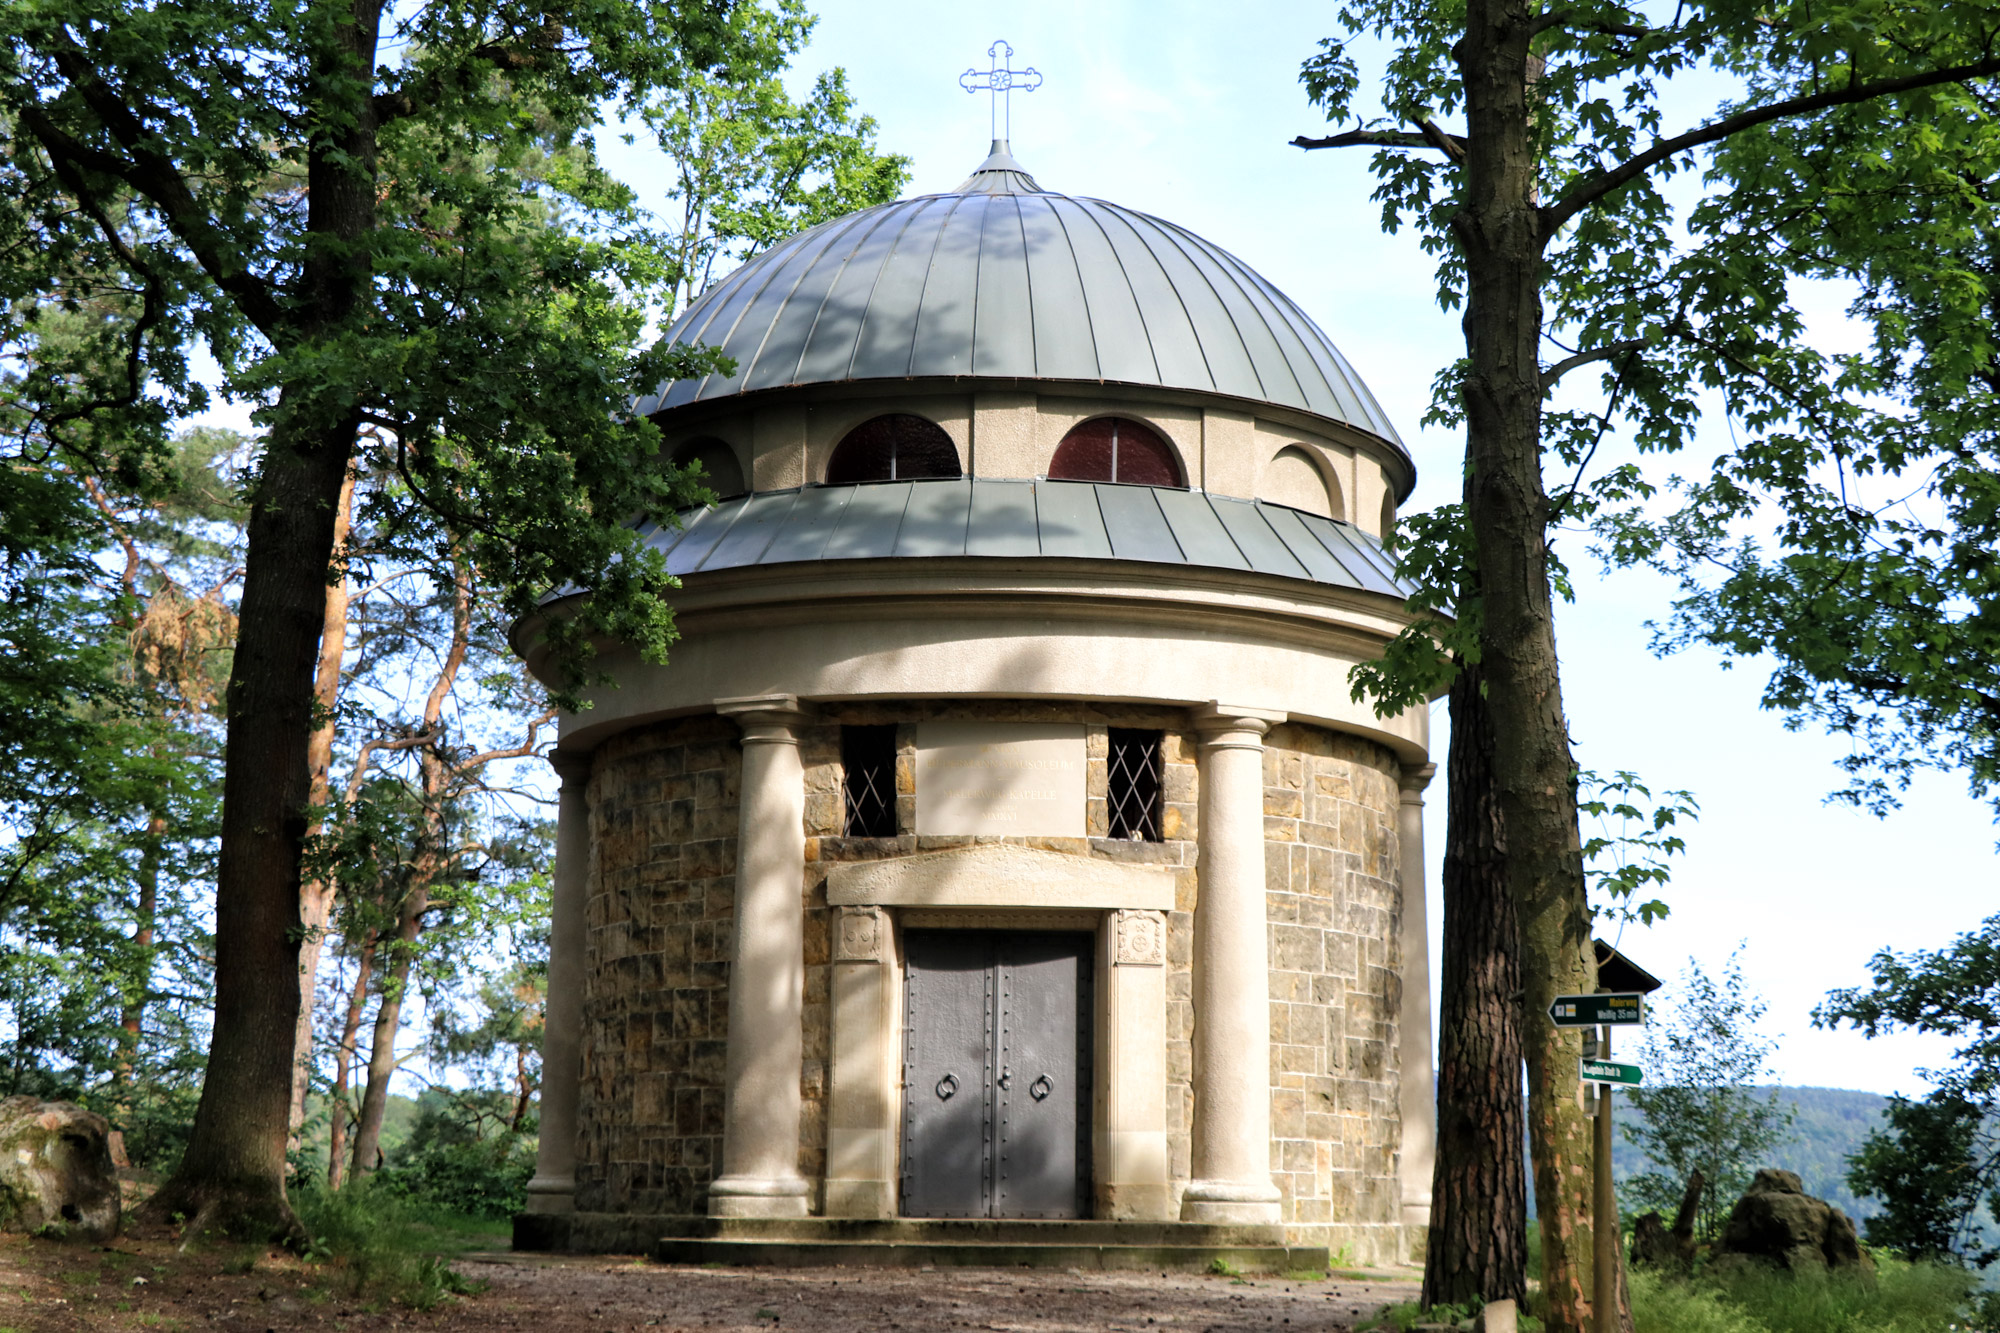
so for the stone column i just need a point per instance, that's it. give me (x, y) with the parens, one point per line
(760, 1118)
(1132, 1160)
(553, 1190)
(1232, 979)
(861, 1086)
(1417, 1095)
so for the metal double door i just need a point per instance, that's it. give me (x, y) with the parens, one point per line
(996, 1073)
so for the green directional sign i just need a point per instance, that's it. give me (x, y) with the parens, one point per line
(1610, 1071)
(1611, 1008)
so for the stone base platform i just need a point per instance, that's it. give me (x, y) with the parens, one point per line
(912, 1243)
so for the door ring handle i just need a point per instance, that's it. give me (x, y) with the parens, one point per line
(947, 1087)
(1041, 1088)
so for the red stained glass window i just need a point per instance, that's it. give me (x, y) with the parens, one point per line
(1115, 449)
(897, 447)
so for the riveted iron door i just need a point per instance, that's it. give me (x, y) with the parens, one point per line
(996, 1073)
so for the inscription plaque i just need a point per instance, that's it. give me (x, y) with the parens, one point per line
(1019, 778)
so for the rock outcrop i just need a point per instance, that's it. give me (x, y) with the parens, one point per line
(55, 1169)
(1777, 1222)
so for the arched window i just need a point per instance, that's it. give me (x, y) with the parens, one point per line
(1115, 449)
(1293, 479)
(897, 447)
(719, 469)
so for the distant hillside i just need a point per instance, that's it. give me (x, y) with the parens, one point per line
(1830, 1124)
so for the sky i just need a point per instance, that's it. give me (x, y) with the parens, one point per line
(1186, 111)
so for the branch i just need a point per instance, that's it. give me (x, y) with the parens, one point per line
(1589, 190)
(1568, 18)
(1428, 135)
(1604, 353)
(154, 175)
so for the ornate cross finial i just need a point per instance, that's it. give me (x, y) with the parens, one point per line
(1001, 82)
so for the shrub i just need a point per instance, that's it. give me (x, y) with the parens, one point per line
(375, 1242)
(461, 1156)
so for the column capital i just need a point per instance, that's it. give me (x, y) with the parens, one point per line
(1221, 724)
(1414, 779)
(766, 719)
(570, 765)
(750, 705)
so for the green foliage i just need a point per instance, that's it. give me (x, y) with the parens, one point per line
(465, 1153)
(752, 165)
(114, 645)
(1925, 1167)
(1898, 1298)
(1936, 1161)
(1847, 537)
(378, 1245)
(1848, 532)
(1630, 848)
(1699, 1109)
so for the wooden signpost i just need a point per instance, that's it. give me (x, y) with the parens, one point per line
(1620, 1003)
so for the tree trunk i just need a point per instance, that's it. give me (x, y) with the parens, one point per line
(233, 1172)
(1507, 511)
(132, 1018)
(427, 865)
(316, 895)
(1478, 1235)
(343, 1066)
(382, 1042)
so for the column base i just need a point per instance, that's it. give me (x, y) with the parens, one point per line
(753, 1196)
(1231, 1203)
(552, 1194)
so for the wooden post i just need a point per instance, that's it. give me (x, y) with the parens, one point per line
(1604, 1210)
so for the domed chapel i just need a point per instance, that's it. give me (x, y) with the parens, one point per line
(1000, 871)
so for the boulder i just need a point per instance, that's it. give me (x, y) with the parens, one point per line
(1778, 1223)
(55, 1169)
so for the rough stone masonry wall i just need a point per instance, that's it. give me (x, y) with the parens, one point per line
(663, 814)
(661, 896)
(1330, 856)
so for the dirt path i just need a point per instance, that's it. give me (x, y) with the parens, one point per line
(142, 1286)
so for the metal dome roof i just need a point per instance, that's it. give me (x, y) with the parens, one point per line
(1003, 279)
(1018, 520)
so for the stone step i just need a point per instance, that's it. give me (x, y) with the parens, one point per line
(986, 1254)
(979, 1231)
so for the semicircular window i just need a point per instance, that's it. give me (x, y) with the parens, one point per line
(720, 471)
(896, 447)
(1115, 449)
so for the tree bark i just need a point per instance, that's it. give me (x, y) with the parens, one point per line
(316, 895)
(339, 1110)
(1478, 1235)
(382, 1042)
(233, 1172)
(1507, 510)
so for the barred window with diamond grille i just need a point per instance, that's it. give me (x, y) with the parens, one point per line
(1132, 785)
(868, 754)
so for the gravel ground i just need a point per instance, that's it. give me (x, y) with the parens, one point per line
(135, 1285)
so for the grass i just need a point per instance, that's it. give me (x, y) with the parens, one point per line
(375, 1244)
(1900, 1298)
